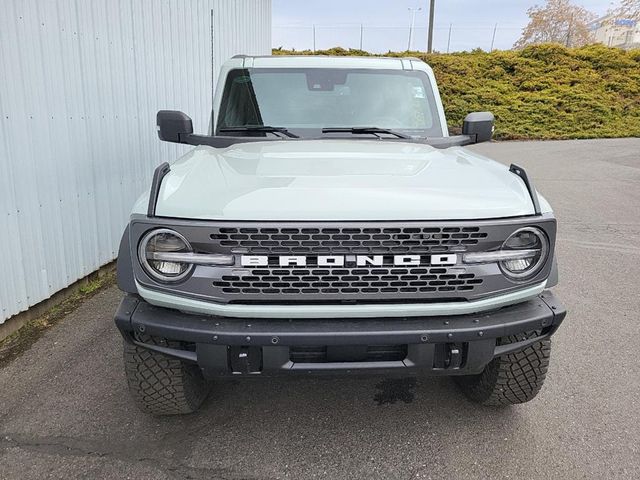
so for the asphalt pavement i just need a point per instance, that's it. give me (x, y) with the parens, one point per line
(65, 411)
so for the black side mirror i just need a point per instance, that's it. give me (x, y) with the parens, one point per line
(480, 125)
(172, 125)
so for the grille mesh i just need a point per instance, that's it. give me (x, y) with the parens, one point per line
(368, 281)
(365, 240)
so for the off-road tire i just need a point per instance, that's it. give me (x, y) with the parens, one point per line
(162, 385)
(512, 378)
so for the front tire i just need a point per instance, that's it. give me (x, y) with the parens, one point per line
(510, 379)
(162, 385)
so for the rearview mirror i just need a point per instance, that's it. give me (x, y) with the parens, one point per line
(480, 125)
(172, 125)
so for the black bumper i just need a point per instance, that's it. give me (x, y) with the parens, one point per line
(447, 345)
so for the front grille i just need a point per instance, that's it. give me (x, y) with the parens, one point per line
(347, 282)
(350, 281)
(355, 240)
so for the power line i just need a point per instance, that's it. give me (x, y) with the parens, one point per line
(401, 27)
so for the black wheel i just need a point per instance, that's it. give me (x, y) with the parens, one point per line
(512, 378)
(162, 385)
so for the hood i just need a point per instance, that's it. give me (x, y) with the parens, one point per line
(340, 180)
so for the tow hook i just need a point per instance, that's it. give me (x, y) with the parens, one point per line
(448, 356)
(455, 356)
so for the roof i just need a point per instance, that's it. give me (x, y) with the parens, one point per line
(318, 61)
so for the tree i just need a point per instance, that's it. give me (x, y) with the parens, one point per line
(629, 9)
(559, 21)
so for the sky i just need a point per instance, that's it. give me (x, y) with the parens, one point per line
(386, 23)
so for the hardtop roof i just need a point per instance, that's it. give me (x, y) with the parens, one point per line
(319, 61)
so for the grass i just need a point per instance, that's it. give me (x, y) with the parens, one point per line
(541, 92)
(20, 341)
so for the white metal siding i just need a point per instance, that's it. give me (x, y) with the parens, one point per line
(80, 84)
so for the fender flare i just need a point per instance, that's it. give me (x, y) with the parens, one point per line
(552, 281)
(124, 266)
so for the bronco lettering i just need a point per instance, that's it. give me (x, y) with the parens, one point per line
(342, 260)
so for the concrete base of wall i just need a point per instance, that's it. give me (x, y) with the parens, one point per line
(15, 323)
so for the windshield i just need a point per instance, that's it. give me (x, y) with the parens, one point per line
(304, 101)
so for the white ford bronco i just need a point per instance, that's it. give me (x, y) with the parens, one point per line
(328, 223)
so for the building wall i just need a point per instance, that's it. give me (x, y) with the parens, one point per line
(80, 84)
(617, 32)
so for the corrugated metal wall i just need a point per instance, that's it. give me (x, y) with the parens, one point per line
(80, 84)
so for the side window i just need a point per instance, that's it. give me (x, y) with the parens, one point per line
(239, 106)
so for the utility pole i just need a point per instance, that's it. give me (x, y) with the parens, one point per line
(361, 35)
(432, 7)
(449, 39)
(213, 64)
(413, 22)
(493, 38)
(314, 38)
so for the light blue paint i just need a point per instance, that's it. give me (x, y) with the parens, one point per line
(339, 180)
(338, 311)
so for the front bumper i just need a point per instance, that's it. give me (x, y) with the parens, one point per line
(439, 345)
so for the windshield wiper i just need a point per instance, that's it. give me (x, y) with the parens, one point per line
(365, 131)
(259, 128)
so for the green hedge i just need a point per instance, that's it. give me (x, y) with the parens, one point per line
(540, 92)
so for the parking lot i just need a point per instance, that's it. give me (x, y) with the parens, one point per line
(65, 410)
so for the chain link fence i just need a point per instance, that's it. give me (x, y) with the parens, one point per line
(381, 39)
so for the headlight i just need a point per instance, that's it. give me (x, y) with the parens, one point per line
(157, 248)
(532, 243)
(522, 255)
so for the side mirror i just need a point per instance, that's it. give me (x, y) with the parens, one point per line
(480, 125)
(172, 125)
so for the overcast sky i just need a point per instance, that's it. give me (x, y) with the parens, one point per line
(386, 23)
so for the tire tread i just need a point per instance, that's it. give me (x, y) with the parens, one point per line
(162, 385)
(512, 378)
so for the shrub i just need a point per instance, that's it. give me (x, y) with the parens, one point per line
(539, 92)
